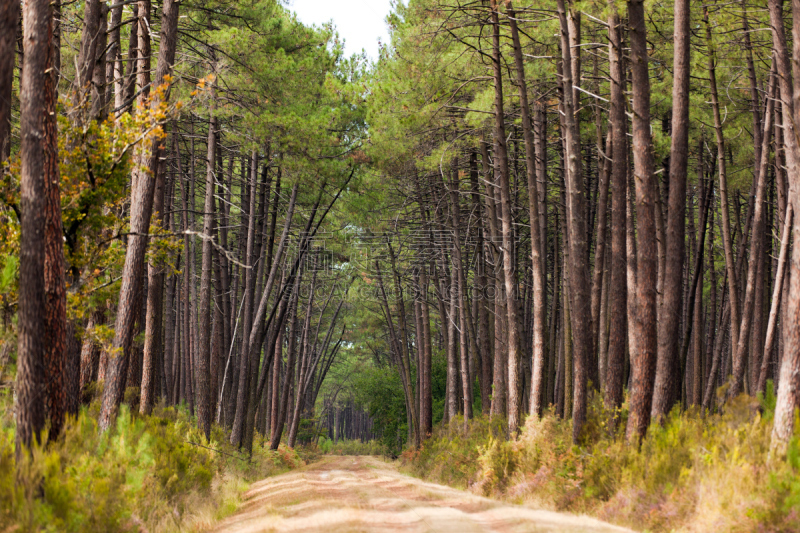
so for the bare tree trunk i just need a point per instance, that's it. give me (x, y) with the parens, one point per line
(733, 294)
(537, 266)
(237, 433)
(204, 408)
(498, 406)
(37, 100)
(290, 363)
(501, 155)
(618, 329)
(99, 109)
(87, 55)
(579, 290)
(141, 210)
(789, 379)
(305, 356)
(155, 304)
(90, 351)
(426, 395)
(667, 368)
(54, 265)
(644, 326)
(756, 248)
(772, 325)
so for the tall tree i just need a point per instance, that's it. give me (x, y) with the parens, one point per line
(667, 371)
(643, 361)
(142, 195)
(618, 326)
(579, 290)
(37, 128)
(537, 377)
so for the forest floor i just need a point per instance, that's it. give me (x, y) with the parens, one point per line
(362, 493)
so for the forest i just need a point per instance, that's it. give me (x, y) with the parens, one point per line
(541, 251)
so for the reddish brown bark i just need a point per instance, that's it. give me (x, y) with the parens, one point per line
(618, 328)
(141, 210)
(37, 98)
(204, 413)
(579, 287)
(667, 368)
(643, 360)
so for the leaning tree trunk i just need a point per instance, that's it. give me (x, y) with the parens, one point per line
(789, 381)
(750, 305)
(141, 210)
(776, 301)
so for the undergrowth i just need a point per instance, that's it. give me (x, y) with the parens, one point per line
(692, 473)
(147, 473)
(351, 447)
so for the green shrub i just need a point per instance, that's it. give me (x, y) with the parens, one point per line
(691, 473)
(352, 447)
(147, 473)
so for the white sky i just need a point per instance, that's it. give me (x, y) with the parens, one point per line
(359, 22)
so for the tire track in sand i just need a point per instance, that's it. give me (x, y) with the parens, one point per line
(348, 494)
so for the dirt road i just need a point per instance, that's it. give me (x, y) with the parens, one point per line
(367, 494)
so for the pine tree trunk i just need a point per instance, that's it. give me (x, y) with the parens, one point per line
(204, 408)
(458, 268)
(789, 380)
(290, 364)
(509, 276)
(87, 55)
(579, 290)
(37, 100)
(237, 433)
(644, 327)
(155, 303)
(141, 210)
(618, 328)
(756, 247)
(667, 368)
(537, 266)
(776, 302)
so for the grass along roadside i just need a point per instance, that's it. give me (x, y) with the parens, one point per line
(692, 474)
(149, 473)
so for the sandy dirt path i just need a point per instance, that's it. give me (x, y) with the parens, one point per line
(345, 493)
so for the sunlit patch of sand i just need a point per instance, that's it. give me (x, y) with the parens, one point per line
(365, 494)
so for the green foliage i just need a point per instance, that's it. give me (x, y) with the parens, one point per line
(9, 272)
(381, 391)
(142, 474)
(352, 447)
(691, 473)
(453, 456)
